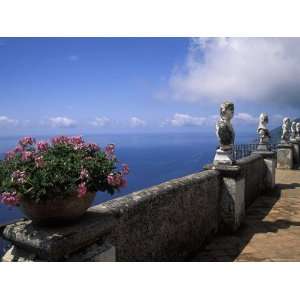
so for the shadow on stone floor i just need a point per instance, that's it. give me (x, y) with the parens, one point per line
(288, 186)
(227, 247)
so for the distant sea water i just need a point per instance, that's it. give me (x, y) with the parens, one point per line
(152, 159)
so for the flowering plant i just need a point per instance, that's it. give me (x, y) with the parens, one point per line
(66, 166)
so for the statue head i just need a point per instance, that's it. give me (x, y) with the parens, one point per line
(286, 121)
(298, 127)
(227, 110)
(263, 119)
(293, 126)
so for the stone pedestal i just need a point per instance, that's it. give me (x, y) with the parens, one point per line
(263, 147)
(232, 205)
(285, 156)
(270, 160)
(296, 152)
(82, 241)
(223, 157)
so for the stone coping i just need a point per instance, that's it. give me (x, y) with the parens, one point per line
(225, 170)
(286, 146)
(248, 159)
(265, 154)
(56, 242)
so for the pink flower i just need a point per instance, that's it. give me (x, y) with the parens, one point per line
(116, 180)
(125, 169)
(39, 162)
(8, 198)
(93, 147)
(84, 174)
(79, 146)
(60, 140)
(110, 151)
(82, 190)
(76, 140)
(27, 140)
(26, 155)
(18, 177)
(10, 155)
(42, 146)
(110, 179)
(18, 149)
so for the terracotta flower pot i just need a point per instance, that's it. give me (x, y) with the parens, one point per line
(57, 211)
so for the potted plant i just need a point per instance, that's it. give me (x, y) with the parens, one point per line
(58, 180)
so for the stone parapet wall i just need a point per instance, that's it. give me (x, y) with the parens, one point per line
(167, 222)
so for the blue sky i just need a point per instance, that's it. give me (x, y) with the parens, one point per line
(97, 85)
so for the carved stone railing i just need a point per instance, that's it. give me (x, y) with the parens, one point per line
(242, 150)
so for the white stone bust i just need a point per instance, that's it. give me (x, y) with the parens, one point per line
(285, 137)
(293, 131)
(262, 130)
(224, 129)
(298, 130)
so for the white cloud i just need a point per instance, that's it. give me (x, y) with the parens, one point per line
(101, 122)
(183, 120)
(246, 118)
(136, 122)
(248, 69)
(62, 122)
(5, 121)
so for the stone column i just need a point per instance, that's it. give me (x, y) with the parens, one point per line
(232, 198)
(270, 160)
(285, 156)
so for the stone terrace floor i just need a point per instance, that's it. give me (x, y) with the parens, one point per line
(271, 231)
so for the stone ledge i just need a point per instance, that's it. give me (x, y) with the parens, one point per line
(284, 146)
(53, 243)
(248, 159)
(266, 154)
(225, 170)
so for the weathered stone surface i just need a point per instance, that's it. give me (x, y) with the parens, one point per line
(15, 254)
(270, 160)
(285, 156)
(57, 243)
(232, 198)
(254, 171)
(98, 252)
(165, 222)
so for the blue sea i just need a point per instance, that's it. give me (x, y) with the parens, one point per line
(152, 158)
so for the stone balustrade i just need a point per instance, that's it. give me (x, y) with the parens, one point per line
(167, 222)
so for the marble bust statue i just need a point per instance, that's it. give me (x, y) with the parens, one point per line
(298, 131)
(285, 137)
(262, 130)
(224, 129)
(293, 131)
(225, 134)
